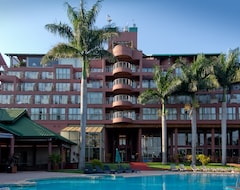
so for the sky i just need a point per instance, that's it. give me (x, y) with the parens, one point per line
(164, 26)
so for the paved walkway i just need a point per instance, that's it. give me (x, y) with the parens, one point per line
(22, 177)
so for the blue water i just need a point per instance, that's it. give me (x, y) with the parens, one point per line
(162, 182)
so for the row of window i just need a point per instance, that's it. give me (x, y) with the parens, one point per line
(93, 98)
(148, 114)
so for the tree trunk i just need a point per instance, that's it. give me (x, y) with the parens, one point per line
(164, 135)
(194, 131)
(83, 116)
(224, 132)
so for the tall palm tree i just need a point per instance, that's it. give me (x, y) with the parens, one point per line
(166, 83)
(84, 41)
(195, 76)
(227, 72)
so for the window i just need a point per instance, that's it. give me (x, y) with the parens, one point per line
(47, 75)
(95, 84)
(62, 87)
(27, 86)
(150, 114)
(23, 99)
(75, 99)
(94, 98)
(63, 73)
(207, 113)
(231, 113)
(75, 62)
(38, 113)
(42, 99)
(6, 99)
(171, 114)
(94, 114)
(31, 75)
(45, 87)
(57, 113)
(148, 84)
(15, 73)
(8, 86)
(74, 114)
(60, 99)
(76, 87)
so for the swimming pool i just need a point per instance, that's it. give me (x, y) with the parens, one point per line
(186, 181)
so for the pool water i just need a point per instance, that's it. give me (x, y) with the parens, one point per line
(190, 181)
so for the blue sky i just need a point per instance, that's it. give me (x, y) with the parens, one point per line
(164, 26)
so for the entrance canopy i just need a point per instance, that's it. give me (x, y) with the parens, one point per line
(89, 129)
(6, 135)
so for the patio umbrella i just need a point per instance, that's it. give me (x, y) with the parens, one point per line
(117, 156)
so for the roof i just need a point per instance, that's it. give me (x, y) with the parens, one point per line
(17, 122)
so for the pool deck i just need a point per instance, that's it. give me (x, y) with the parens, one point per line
(24, 177)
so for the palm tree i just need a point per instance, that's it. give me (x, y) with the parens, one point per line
(166, 83)
(227, 72)
(84, 41)
(195, 76)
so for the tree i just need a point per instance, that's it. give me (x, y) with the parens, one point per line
(227, 72)
(195, 76)
(166, 83)
(84, 41)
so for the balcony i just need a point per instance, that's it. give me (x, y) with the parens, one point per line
(123, 117)
(122, 84)
(123, 101)
(122, 68)
(121, 51)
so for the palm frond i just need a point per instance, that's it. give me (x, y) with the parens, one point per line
(63, 30)
(61, 50)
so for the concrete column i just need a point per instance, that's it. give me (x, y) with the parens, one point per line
(49, 153)
(12, 144)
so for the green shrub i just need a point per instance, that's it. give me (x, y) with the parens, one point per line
(96, 162)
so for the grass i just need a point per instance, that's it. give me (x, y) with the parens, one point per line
(160, 166)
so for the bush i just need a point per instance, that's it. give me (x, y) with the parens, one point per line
(96, 162)
(203, 159)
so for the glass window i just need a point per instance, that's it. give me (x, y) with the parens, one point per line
(150, 114)
(47, 75)
(31, 75)
(63, 73)
(207, 113)
(23, 99)
(8, 86)
(15, 73)
(95, 84)
(45, 87)
(231, 113)
(38, 113)
(76, 87)
(94, 114)
(60, 99)
(74, 114)
(75, 99)
(62, 87)
(57, 113)
(171, 114)
(94, 97)
(6, 99)
(42, 99)
(75, 62)
(27, 86)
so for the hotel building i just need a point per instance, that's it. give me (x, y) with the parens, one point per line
(51, 94)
